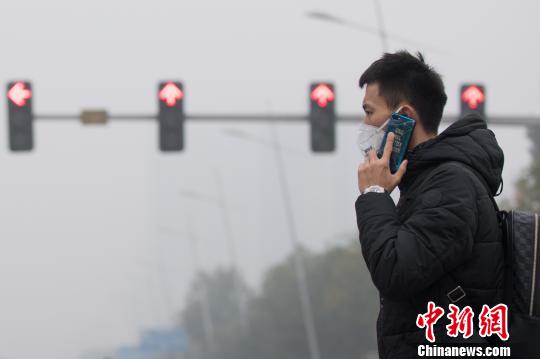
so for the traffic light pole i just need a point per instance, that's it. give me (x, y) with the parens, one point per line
(298, 259)
(495, 120)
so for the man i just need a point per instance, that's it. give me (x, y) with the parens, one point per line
(441, 242)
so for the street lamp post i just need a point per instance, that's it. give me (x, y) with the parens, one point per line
(231, 245)
(206, 315)
(298, 260)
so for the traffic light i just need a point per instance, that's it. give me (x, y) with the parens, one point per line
(171, 116)
(473, 99)
(20, 117)
(322, 117)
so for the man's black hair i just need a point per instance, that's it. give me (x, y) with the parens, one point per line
(404, 77)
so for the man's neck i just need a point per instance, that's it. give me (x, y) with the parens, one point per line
(419, 136)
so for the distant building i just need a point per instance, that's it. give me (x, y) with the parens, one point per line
(156, 344)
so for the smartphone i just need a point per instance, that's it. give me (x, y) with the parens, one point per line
(403, 127)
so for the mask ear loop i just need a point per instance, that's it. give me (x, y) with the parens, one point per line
(381, 127)
(399, 109)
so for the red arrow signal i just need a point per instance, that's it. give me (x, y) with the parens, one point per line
(19, 94)
(323, 94)
(171, 94)
(473, 96)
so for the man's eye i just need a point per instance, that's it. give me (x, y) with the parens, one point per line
(368, 113)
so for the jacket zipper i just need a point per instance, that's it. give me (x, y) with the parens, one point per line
(379, 327)
(535, 255)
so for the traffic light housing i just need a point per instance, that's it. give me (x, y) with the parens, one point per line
(322, 117)
(171, 116)
(473, 99)
(20, 116)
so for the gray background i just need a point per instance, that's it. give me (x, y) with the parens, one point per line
(83, 263)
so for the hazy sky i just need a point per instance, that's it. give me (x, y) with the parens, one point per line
(87, 254)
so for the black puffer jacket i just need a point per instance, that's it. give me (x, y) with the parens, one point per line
(446, 224)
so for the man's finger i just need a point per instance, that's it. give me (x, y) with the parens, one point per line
(361, 167)
(388, 147)
(372, 156)
(401, 171)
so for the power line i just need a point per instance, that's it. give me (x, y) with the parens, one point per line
(380, 20)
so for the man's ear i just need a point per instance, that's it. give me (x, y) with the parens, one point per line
(409, 111)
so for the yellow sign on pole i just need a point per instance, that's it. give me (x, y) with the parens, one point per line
(94, 117)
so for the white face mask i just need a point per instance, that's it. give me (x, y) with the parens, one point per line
(370, 136)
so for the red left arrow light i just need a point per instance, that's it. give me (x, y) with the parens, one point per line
(19, 94)
(171, 94)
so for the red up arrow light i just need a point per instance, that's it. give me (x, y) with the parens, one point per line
(171, 116)
(322, 94)
(473, 96)
(322, 117)
(170, 93)
(473, 99)
(19, 94)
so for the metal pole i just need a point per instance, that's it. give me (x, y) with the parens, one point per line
(166, 295)
(299, 266)
(254, 117)
(208, 325)
(222, 205)
(231, 248)
(382, 32)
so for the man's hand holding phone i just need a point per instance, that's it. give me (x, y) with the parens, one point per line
(376, 171)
